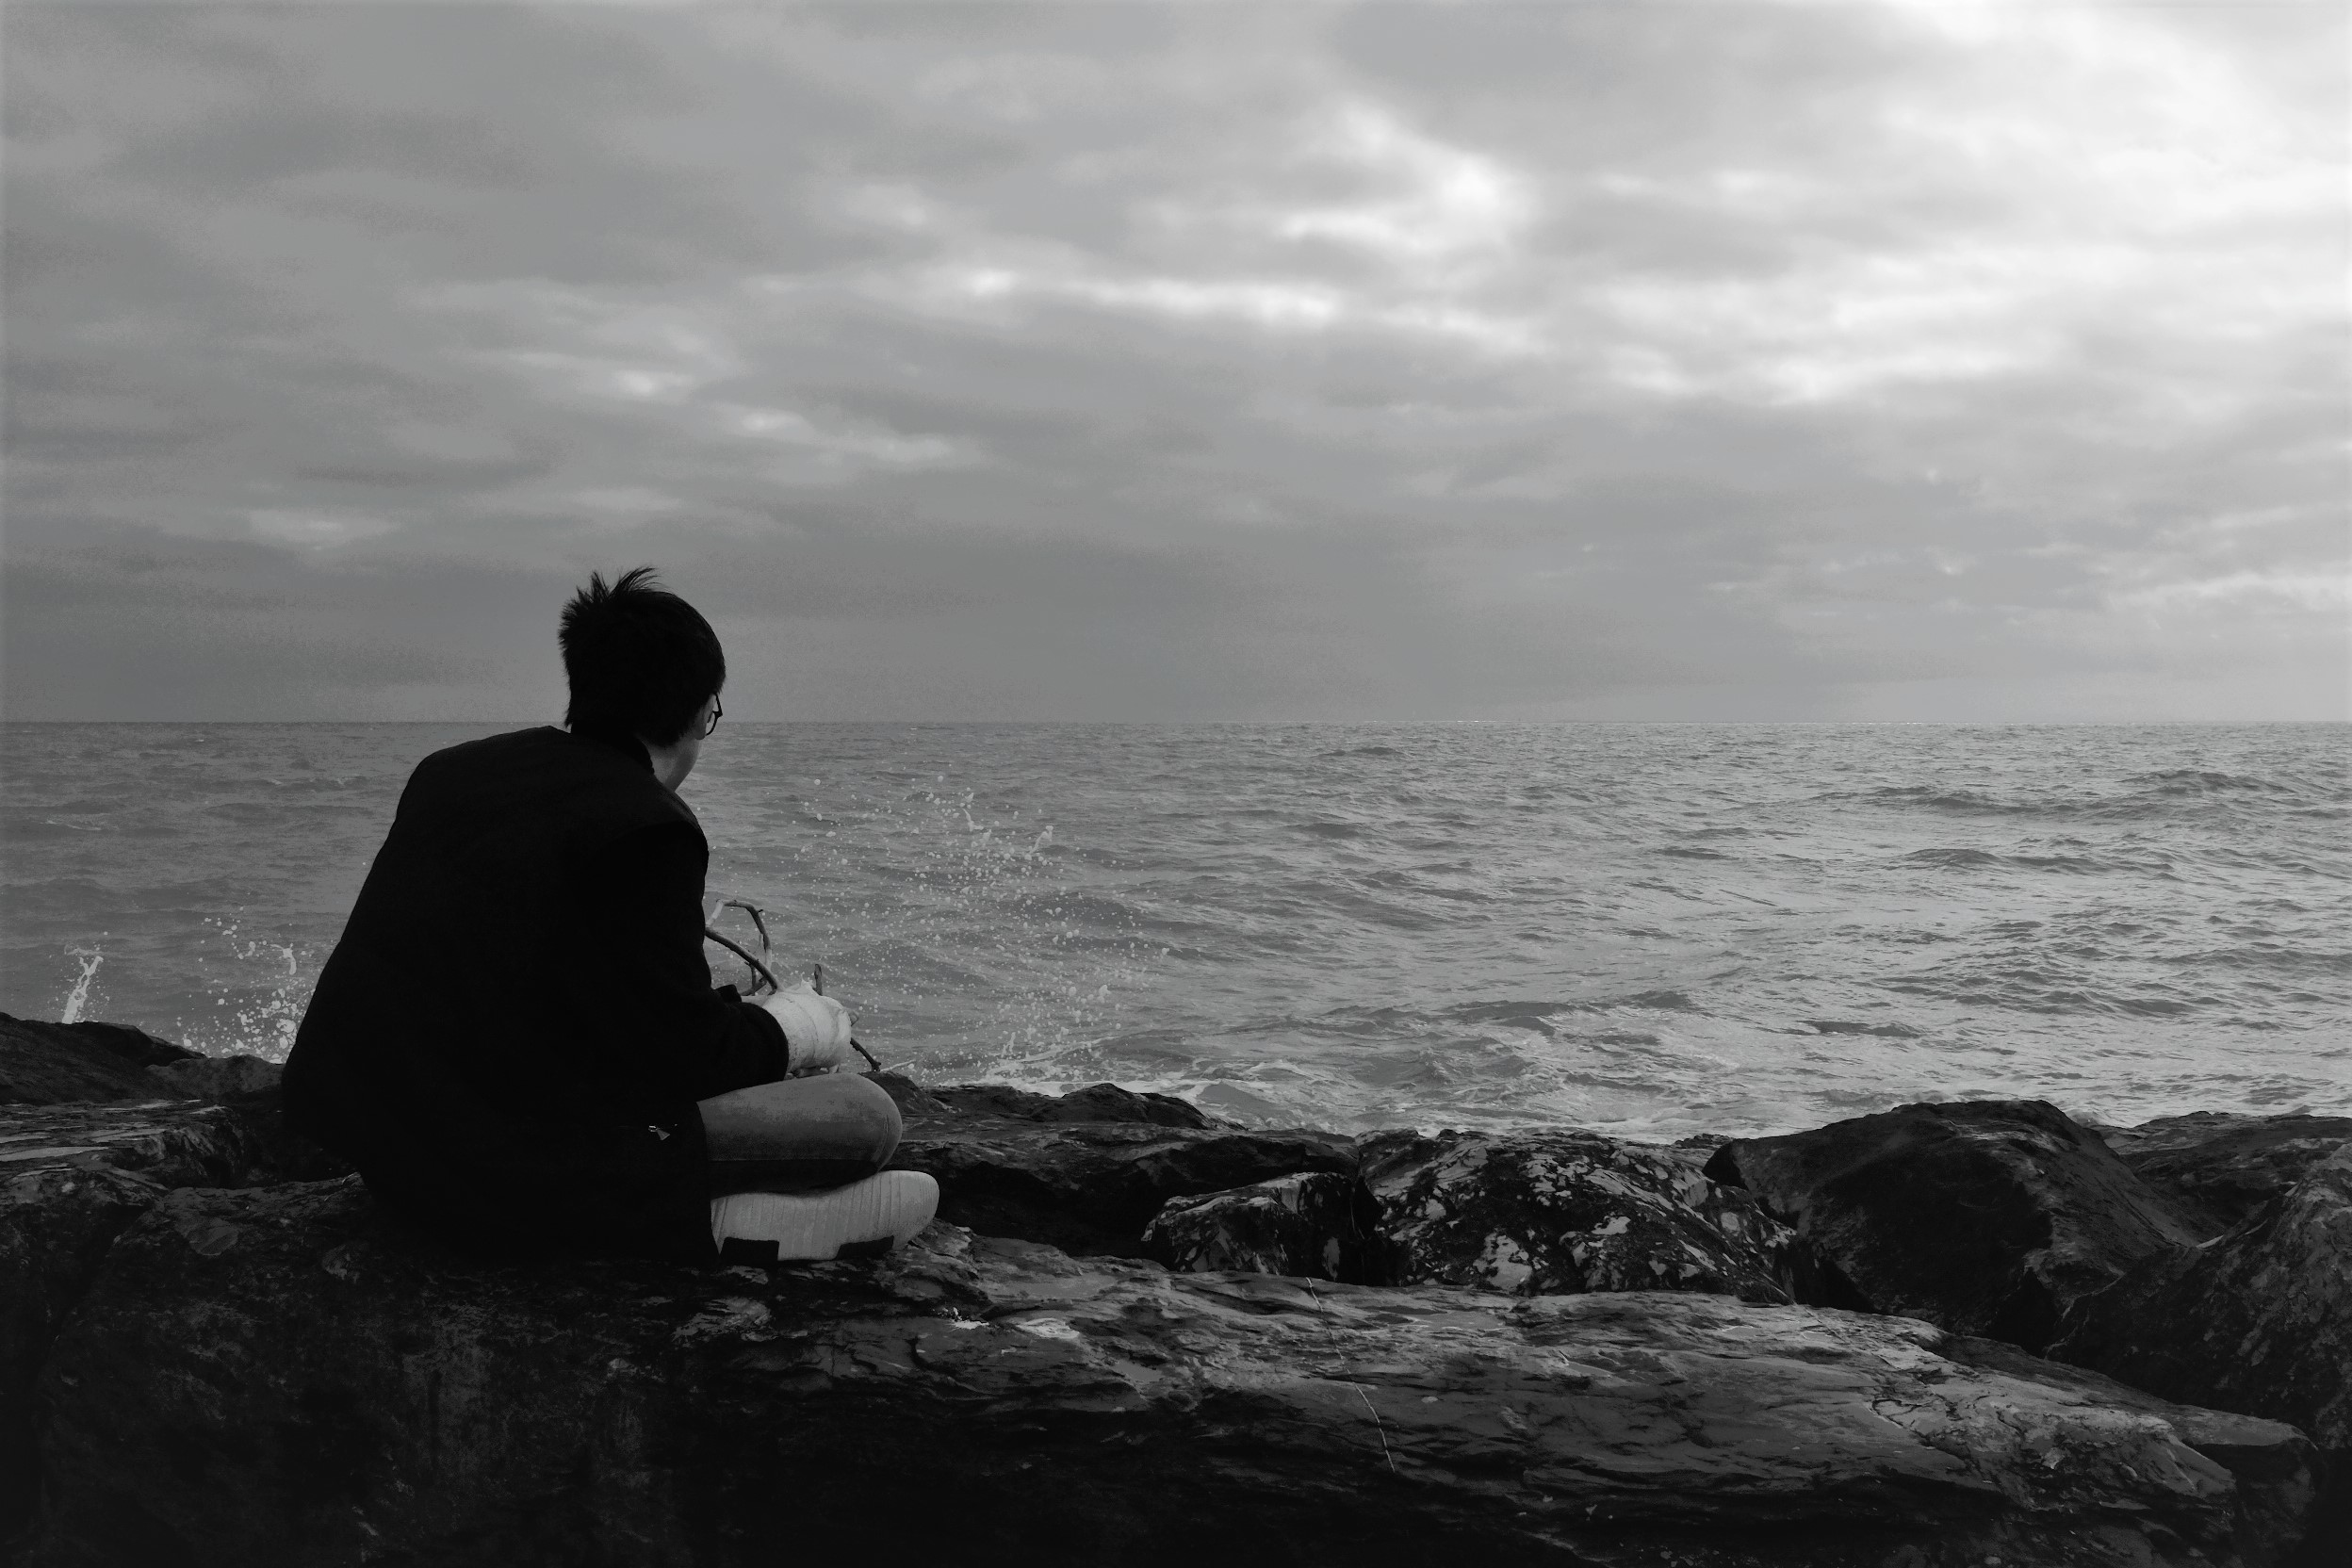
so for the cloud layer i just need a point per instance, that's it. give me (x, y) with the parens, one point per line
(1872, 360)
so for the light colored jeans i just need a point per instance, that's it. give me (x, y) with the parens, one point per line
(798, 1133)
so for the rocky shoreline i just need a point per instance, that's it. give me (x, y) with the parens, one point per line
(1945, 1334)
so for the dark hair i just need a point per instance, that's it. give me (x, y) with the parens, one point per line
(640, 660)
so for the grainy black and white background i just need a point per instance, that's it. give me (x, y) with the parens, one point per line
(1795, 554)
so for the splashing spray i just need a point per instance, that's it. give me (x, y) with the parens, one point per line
(79, 997)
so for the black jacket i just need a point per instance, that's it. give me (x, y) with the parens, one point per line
(510, 1037)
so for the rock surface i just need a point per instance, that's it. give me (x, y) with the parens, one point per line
(1088, 1171)
(2223, 1166)
(2258, 1320)
(1317, 1226)
(279, 1374)
(280, 1377)
(54, 1064)
(224, 1079)
(1986, 1217)
(71, 1177)
(1095, 1103)
(1541, 1214)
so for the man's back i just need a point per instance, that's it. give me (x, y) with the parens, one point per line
(520, 996)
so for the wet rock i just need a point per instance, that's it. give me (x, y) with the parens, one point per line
(71, 1177)
(1004, 1102)
(222, 1079)
(173, 1142)
(1319, 1225)
(1090, 1186)
(2225, 1166)
(2279, 1478)
(2258, 1319)
(1540, 1213)
(910, 1097)
(1087, 1170)
(51, 1064)
(1095, 1103)
(56, 1225)
(1985, 1217)
(280, 1377)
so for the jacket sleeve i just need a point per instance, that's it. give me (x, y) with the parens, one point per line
(670, 1031)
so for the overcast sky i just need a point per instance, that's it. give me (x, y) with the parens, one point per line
(1739, 360)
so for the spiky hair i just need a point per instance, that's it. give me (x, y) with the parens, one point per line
(640, 660)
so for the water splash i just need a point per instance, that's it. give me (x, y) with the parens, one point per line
(956, 919)
(79, 997)
(258, 1018)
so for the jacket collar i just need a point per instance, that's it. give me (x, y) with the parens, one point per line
(620, 741)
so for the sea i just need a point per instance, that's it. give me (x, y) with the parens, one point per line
(1651, 930)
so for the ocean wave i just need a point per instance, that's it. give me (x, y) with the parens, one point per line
(1655, 1001)
(1952, 857)
(1881, 1031)
(2161, 793)
(2156, 867)
(2274, 957)
(2024, 988)
(1547, 1016)
(2197, 781)
(1930, 798)
(50, 828)
(2072, 863)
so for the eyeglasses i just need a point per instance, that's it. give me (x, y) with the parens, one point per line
(717, 708)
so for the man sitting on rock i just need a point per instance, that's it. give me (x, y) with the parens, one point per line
(516, 1039)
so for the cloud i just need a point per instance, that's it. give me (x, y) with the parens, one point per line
(112, 623)
(1883, 359)
(316, 529)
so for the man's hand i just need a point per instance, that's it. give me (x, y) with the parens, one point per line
(815, 1028)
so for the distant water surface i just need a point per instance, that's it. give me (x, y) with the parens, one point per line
(1655, 929)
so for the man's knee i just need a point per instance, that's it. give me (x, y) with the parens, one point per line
(832, 1118)
(876, 1114)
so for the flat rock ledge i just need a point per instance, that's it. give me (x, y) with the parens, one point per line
(283, 1376)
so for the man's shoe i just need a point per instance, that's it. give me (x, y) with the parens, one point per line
(859, 1220)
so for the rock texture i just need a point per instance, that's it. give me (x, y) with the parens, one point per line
(1088, 1171)
(2258, 1320)
(277, 1377)
(231, 1363)
(1318, 1226)
(1541, 1214)
(1986, 1217)
(2223, 1167)
(71, 1177)
(224, 1080)
(1095, 1103)
(52, 1064)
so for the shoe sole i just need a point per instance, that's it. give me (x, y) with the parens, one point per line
(862, 1219)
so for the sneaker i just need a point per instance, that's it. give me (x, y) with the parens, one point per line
(859, 1220)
